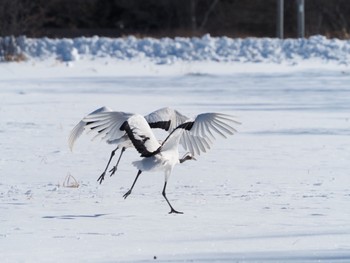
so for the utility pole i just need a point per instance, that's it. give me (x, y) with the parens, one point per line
(301, 18)
(280, 18)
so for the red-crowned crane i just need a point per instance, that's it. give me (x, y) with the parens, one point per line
(196, 134)
(106, 124)
(128, 129)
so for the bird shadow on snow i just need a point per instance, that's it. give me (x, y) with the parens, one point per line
(74, 216)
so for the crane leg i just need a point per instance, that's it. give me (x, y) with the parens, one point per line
(129, 192)
(172, 209)
(114, 169)
(102, 176)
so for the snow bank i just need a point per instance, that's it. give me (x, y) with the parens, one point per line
(167, 51)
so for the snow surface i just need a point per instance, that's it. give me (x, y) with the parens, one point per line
(278, 191)
(206, 48)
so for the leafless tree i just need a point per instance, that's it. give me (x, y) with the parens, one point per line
(235, 18)
(21, 17)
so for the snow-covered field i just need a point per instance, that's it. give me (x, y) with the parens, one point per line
(278, 191)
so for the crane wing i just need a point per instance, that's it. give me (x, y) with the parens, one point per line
(203, 130)
(198, 136)
(141, 135)
(165, 118)
(106, 125)
(81, 126)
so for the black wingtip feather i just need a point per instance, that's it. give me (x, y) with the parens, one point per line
(186, 126)
(165, 125)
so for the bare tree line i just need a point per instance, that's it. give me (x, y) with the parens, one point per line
(159, 18)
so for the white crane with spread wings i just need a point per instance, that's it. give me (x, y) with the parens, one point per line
(128, 129)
